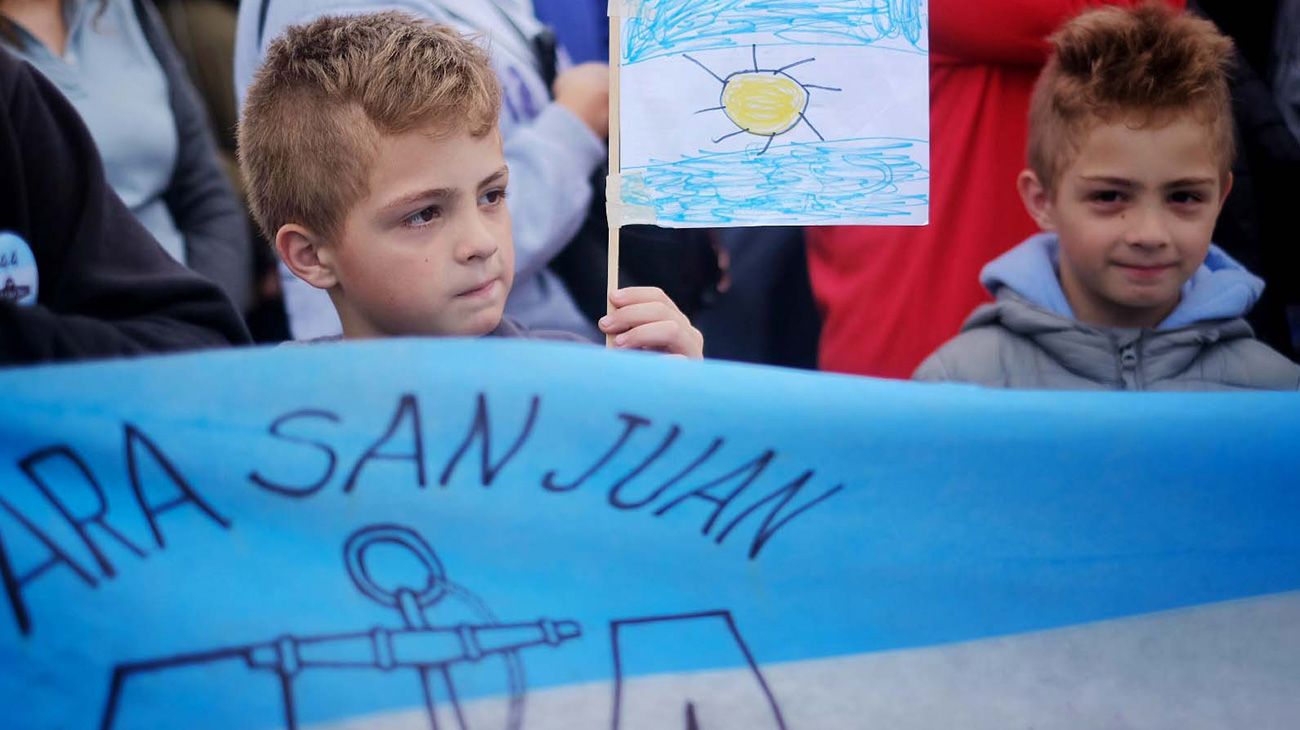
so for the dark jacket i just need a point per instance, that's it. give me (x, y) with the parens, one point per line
(1256, 224)
(198, 196)
(106, 287)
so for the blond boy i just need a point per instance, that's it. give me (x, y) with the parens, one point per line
(1130, 147)
(374, 164)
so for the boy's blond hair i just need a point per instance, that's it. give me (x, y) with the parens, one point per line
(328, 89)
(1140, 65)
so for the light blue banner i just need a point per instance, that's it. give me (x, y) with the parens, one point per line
(499, 534)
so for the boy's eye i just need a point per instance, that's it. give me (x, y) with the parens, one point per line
(492, 197)
(1106, 196)
(421, 217)
(1186, 197)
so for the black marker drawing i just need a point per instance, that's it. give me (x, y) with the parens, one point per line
(418, 645)
(692, 632)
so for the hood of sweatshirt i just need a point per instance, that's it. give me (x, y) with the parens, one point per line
(1220, 289)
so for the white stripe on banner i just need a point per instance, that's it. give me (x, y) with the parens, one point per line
(1205, 667)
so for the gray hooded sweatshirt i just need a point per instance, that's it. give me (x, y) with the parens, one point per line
(1029, 338)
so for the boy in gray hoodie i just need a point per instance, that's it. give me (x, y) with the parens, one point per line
(1130, 146)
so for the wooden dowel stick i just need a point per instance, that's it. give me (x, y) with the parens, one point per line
(615, 58)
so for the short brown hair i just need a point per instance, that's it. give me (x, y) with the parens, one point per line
(1148, 63)
(327, 89)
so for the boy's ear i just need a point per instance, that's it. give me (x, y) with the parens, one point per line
(305, 255)
(1227, 188)
(1037, 199)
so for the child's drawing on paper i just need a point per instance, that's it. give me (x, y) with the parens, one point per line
(746, 112)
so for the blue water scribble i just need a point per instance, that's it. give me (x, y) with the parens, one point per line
(661, 27)
(798, 183)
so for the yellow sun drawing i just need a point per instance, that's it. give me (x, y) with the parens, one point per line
(765, 102)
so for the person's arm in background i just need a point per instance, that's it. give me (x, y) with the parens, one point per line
(106, 288)
(199, 197)
(552, 158)
(1004, 31)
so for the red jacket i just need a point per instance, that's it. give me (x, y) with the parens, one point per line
(889, 296)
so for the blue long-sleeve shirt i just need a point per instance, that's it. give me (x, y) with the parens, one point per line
(111, 76)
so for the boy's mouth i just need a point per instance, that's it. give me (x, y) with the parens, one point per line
(1144, 271)
(482, 290)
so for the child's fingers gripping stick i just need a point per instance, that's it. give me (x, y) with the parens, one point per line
(645, 318)
(634, 315)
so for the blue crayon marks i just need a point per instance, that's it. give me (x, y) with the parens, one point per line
(884, 181)
(660, 27)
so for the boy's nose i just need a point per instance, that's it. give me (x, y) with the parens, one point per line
(1147, 228)
(478, 242)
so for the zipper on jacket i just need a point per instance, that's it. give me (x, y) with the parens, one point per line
(1128, 366)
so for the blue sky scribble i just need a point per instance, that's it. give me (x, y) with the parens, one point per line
(801, 183)
(662, 27)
